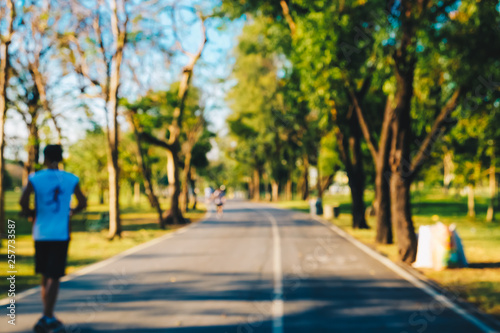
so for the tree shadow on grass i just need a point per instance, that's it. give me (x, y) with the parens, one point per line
(140, 226)
(82, 261)
(445, 209)
(481, 265)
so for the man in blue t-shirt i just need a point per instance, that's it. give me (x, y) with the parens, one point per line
(53, 190)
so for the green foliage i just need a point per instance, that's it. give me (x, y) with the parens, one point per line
(154, 114)
(130, 171)
(88, 160)
(200, 150)
(329, 162)
(254, 98)
(272, 125)
(8, 182)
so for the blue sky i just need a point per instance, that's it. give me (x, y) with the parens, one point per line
(211, 74)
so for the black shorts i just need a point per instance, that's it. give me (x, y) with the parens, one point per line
(51, 257)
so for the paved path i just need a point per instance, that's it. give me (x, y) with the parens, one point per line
(257, 269)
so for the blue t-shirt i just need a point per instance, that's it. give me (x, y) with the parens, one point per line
(53, 191)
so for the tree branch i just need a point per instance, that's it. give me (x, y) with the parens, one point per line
(288, 17)
(372, 145)
(342, 144)
(326, 182)
(98, 32)
(385, 134)
(436, 129)
(10, 23)
(81, 67)
(154, 141)
(187, 73)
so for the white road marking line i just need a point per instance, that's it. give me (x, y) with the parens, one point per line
(100, 264)
(277, 306)
(410, 278)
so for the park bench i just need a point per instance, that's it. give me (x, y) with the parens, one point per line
(93, 221)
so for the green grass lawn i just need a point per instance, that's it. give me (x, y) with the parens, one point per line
(139, 224)
(478, 284)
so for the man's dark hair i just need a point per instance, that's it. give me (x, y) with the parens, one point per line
(53, 153)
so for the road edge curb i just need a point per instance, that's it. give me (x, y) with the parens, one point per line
(411, 277)
(95, 266)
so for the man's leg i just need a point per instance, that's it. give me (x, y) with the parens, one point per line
(50, 289)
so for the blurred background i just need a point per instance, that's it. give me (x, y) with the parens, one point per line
(387, 111)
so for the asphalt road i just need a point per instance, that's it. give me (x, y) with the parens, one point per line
(257, 269)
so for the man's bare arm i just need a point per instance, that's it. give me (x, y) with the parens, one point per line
(25, 201)
(82, 200)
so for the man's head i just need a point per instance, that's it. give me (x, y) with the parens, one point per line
(53, 154)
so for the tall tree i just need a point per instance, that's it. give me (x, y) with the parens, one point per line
(40, 20)
(253, 101)
(95, 48)
(26, 103)
(35, 75)
(194, 147)
(172, 143)
(339, 49)
(421, 28)
(149, 118)
(142, 160)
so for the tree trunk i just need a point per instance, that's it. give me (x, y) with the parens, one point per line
(41, 87)
(323, 184)
(113, 168)
(267, 194)
(185, 183)
(383, 205)
(490, 215)
(305, 178)
(146, 171)
(114, 188)
(471, 206)
(33, 149)
(4, 81)
(275, 190)
(137, 193)
(350, 152)
(256, 184)
(448, 169)
(380, 156)
(192, 181)
(356, 176)
(401, 176)
(119, 35)
(250, 189)
(175, 214)
(319, 188)
(400, 159)
(401, 217)
(356, 183)
(288, 189)
(3, 111)
(101, 193)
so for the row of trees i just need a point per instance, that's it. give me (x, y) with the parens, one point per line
(365, 85)
(59, 58)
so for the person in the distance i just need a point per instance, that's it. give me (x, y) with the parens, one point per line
(219, 200)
